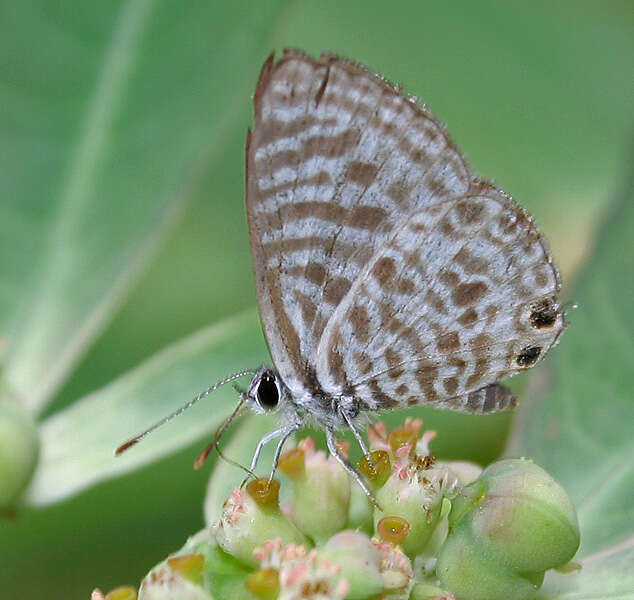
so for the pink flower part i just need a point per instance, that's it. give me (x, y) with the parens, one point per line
(344, 447)
(400, 470)
(270, 549)
(311, 456)
(274, 554)
(97, 594)
(414, 424)
(293, 552)
(307, 445)
(286, 510)
(343, 588)
(309, 576)
(377, 436)
(318, 458)
(395, 566)
(295, 573)
(422, 446)
(233, 508)
(403, 451)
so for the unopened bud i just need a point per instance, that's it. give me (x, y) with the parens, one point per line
(321, 494)
(360, 562)
(507, 528)
(246, 523)
(415, 495)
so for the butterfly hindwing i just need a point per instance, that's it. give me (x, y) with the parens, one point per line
(460, 296)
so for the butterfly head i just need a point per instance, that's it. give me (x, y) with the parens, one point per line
(266, 393)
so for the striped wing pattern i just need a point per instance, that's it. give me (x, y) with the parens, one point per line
(336, 159)
(373, 245)
(459, 297)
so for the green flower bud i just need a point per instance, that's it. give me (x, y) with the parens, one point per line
(360, 562)
(526, 519)
(507, 528)
(19, 447)
(321, 493)
(246, 523)
(361, 512)
(472, 575)
(414, 493)
(165, 583)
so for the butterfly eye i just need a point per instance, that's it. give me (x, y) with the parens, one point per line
(268, 394)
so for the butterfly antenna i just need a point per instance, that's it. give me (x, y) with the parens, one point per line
(137, 438)
(219, 433)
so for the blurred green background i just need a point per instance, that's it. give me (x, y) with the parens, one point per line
(132, 116)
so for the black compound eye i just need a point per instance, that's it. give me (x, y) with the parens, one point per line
(267, 394)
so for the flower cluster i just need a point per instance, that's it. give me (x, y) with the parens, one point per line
(436, 531)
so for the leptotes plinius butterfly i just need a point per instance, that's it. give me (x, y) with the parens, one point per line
(387, 275)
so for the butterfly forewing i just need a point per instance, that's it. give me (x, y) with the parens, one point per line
(336, 159)
(446, 306)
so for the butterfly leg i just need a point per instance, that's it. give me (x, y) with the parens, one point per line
(278, 451)
(271, 435)
(341, 459)
(357, 434)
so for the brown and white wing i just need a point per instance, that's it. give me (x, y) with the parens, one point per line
(462, 295)
(337, 158)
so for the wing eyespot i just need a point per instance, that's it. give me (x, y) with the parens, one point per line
(543, 314)
(528, 356)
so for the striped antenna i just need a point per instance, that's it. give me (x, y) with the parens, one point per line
(137, 438)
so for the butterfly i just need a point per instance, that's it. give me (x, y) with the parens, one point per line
(387, 275)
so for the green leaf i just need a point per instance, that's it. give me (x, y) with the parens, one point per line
(111, 115)
(78, 443)
(607, 575)
(578, 425)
